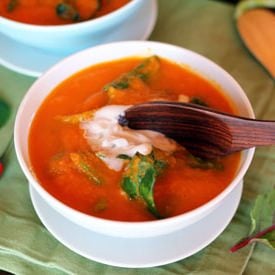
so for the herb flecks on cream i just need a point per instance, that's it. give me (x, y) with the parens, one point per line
(109, 139)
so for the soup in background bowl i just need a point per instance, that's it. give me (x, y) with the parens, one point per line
(57, 12)
(78, 33)
(113, 180)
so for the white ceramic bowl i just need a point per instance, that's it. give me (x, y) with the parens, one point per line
(47, 82)
(70, 38)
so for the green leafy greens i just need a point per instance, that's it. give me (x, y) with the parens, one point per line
(12, 4)
(100, 205)
(83, 162)
(200, 163)
(262, 222)
(67, 11)
(4, 112)
(198, 101)
(141, 72)
(83, 166)
(139, 178)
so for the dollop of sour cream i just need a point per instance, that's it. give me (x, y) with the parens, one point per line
(108, 139)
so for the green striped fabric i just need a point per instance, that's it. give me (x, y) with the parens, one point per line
(204, 26)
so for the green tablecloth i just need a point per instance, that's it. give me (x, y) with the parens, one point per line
(206, 27)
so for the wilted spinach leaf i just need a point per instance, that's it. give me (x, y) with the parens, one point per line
(198, 101)
(67, 11)
(12, 4)
(100, 205)
(139, 178)
(200, 163)
(146, 69)
(83, 165)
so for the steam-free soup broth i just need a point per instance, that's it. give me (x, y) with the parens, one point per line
(85, 159)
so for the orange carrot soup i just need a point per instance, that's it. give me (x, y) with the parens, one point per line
(84, 158)
(57, 12)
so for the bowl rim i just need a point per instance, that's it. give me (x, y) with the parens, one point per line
(67, 27)
(246, 156)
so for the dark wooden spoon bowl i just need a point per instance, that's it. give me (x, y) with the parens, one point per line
(204, 132)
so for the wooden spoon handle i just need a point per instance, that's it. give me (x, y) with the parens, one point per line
(203, 131)
(247, 133)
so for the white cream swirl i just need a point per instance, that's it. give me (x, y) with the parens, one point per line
(108, 139)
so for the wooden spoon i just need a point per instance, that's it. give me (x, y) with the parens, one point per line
(203, 131)
(257, 29)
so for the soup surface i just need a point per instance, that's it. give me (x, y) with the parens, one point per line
(57, 12)
(73, 163)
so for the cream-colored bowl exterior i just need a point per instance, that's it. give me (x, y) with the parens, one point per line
(47, 82)
(66, 39)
